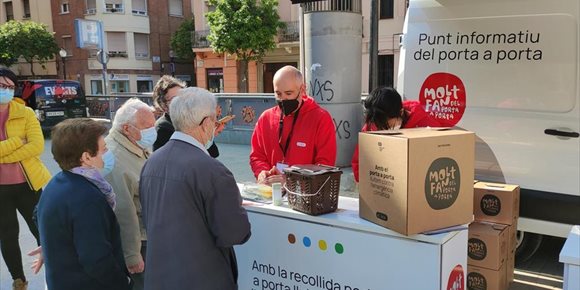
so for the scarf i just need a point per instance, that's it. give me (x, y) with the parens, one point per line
(95, 177)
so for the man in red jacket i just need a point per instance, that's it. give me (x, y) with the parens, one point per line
(297, 131)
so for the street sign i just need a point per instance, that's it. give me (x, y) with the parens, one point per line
(89, 33)
(102, 57)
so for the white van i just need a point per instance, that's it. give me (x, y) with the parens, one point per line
(509, 71)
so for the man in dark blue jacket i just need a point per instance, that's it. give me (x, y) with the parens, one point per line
(192, 208)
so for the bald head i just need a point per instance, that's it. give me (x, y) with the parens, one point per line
(288, 73)
(288, 83)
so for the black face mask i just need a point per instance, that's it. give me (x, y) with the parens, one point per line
(288, 106)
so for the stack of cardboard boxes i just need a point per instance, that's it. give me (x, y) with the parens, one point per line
(492, 238)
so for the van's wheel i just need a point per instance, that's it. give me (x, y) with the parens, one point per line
(526, 245)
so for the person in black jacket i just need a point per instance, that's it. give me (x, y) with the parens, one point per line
(165, 89)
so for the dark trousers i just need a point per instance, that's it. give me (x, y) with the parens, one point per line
(139, 279)
(17, 197)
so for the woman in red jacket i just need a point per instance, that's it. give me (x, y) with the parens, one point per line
(385, 110)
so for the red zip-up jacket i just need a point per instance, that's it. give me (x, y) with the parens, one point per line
(313, 138)
(417, 118)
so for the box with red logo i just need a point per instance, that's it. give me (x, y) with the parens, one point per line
(487, 245)
(497, 203)
(417, 180)
(479, 278)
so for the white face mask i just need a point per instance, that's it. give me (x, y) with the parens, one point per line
(211, 138)
(397, 127)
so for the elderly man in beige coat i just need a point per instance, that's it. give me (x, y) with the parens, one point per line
(129, 140)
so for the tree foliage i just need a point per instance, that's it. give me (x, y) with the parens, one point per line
(181, 40)
(244, 28)
(28, 40)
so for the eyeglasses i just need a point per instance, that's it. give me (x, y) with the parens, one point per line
(216, 123)
(5, 86)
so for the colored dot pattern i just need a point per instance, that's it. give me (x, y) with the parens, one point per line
(339, 248)
(291, 239)
(322, 244)
(306, 242)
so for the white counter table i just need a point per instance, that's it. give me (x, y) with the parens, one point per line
(570, 256)
(294, 251)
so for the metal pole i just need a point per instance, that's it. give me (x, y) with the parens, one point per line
(302, 49)
(64, 68)
(374, 47)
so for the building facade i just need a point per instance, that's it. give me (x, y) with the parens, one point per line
(30, 10)
(136, 35)
(220, 74)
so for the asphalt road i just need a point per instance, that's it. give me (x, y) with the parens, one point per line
(543, 271)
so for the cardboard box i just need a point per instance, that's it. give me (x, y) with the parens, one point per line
(512, 237)
(479, 278)
(510, 267)
(487, 245)
(497, 203)
(417, 180)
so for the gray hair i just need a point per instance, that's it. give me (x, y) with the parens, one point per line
(190, 106)
(126, 113)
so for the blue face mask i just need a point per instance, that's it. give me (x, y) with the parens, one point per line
(148, 137)
(6, 96)
(108, 163)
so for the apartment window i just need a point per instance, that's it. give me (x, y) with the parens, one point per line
(144, 86)
(114, 6)
(139, 7)
(91, 7)
(26, 8)
(96, 87)
(386, 70)
(67, 44)
(64, 8)
(210, 8)
(215, 80)
(141, 45)
(176, 7)
(9, 11)
(386, 9)
(117, 44)
(119, 86)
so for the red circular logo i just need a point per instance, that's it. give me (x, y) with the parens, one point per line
(443, 97)
(456, 279)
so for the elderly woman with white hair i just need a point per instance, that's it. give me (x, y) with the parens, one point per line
(129, 141)
(191, 204)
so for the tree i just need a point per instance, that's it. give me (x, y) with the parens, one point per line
(181, 40)
(245, 29)
(28, 40)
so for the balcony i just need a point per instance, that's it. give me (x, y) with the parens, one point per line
(114, 8)
(290, 32)
(117, 53)
(199, 40)
(139, 12)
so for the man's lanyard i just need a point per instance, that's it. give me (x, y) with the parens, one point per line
(281, 131)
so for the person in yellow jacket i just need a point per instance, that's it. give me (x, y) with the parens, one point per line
(22, 174)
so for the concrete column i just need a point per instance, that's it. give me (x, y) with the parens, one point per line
(332, 50)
